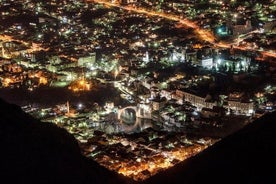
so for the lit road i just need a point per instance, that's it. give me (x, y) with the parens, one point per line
(202, 33)
(68, 57)
(32, 47)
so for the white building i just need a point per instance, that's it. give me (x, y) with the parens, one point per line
(199, 102)
(246, 108)
(165, 93)
(87, 61)
(207, 63)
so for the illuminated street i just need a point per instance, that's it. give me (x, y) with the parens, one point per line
(33, 47)
(140, 86)
(203, 34)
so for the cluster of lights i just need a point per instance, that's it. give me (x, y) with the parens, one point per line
(80, 85)
(161, 161)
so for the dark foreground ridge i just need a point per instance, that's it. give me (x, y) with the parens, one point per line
(247, 156)
(37, 152)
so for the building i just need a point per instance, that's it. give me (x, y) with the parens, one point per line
(144, 110)
(207, 62)
(191, 55)
(198, 101)
(87, 61)
(238, 107)
(242, 28)
(158, 103)
(166, 93)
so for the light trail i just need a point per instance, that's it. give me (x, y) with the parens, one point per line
(203, 34)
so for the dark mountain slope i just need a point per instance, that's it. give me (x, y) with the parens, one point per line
(36, 152)
(247, 156)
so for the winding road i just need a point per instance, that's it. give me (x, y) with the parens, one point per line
(203, 34)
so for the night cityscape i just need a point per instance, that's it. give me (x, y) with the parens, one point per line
(142, 86)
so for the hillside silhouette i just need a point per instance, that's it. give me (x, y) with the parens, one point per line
(247, 156)
(38, 152)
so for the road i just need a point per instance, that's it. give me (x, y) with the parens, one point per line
(32, 47)
(202, 33)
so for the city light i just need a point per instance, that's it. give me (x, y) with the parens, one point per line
(141, 85)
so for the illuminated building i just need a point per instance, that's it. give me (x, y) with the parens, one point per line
(223, 30)
(80, 85)
(198, 101)
(237, 105)
(146, 58)
(109, 106)
(165, 93)
(207, 62)
(87, 61)
(69, 113)
(157, 103)
(177, 56)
